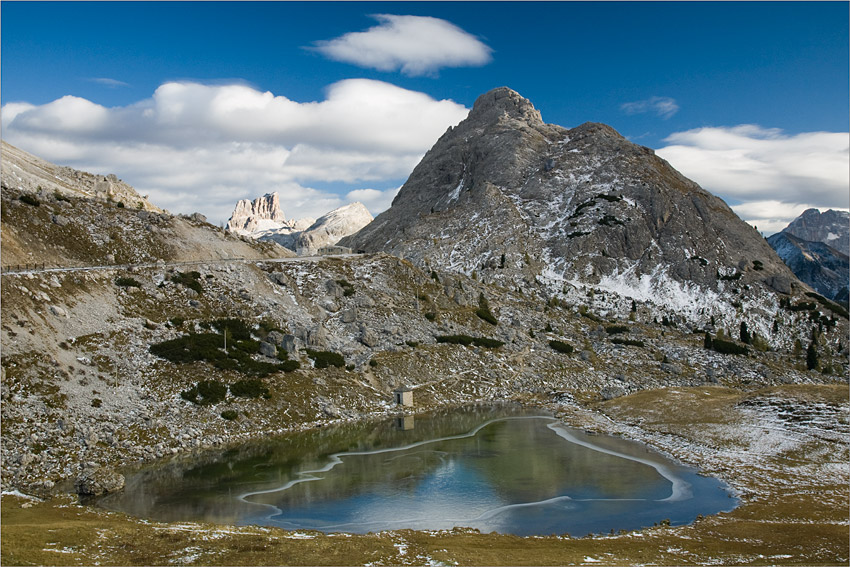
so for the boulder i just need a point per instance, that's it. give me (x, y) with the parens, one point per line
(268, 349)
(97, 481)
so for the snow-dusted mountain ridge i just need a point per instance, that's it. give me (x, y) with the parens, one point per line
(524, 203)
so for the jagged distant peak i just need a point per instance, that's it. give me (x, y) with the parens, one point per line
(830, 227)
(258, 215)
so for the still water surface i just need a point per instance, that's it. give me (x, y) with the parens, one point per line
(495, 469)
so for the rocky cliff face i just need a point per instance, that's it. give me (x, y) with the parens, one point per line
(263, 213)
(821, 266)
(831, 228)
(520, 202)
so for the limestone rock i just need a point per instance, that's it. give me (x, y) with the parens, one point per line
(263, 213)
(268, 349)
(97, 481)
(330, 228)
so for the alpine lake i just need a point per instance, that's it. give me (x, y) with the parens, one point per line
(492, 468)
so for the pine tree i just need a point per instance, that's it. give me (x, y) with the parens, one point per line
(745, 333)
(812, 356)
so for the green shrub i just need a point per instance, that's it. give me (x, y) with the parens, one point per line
(290, 365)
(431, 316)
(373, 363)
(248, 346)
(29, 200)
(250, 388)
(582, 310)
(120, 204)
(413, 344)
(60, 197)
(630, 342)
(758, 265)
(347, 288)
(237, 329)
(803, 306)
(230, 414)
(728, 347)
(484, 342)
(730, 278)
(127, 282)
(205, 393)
(483, 310)
(434, 276)
(560, 346)
(177, 321)
(831, 305)
(615, 329)
(188, 280)
(324, 358)
(96, 403)
(464, 340)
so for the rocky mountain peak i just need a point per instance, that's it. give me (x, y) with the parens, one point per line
(502, 101)
(831, 227)
(263, 213)
(522, 203)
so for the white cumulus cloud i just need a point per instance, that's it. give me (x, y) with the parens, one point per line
(663, 106)
(415, 45)
(770, 177)
(197, 147)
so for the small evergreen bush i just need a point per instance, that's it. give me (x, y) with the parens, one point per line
(29, 200)
(205, 393)
(230, 414)
(728, 347)
(324, 358)
(188, 280)
(483, 310)
(127, 282)
(560, 346)
(250, 388)
(616, 329)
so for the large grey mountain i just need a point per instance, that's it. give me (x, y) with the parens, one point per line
(263, 214)
(831, 227)
(517, 201)
(824, 268)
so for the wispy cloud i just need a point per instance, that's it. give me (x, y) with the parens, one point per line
(415, 45)
(663, 106)
(774, 176)
(107, 82)
(196, 147)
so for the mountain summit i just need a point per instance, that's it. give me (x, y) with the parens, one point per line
(521, 202)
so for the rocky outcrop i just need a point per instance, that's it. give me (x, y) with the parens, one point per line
(326, 231)
(831, 228)
(330, 228)
(516, 201)
(263, 213)
(824, 268)
(98, 481)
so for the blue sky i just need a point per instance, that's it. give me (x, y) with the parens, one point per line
(716, 88)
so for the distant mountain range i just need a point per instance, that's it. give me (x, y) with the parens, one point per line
(815, 246)
(263, 219)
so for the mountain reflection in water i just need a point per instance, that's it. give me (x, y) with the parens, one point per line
(491, 468)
